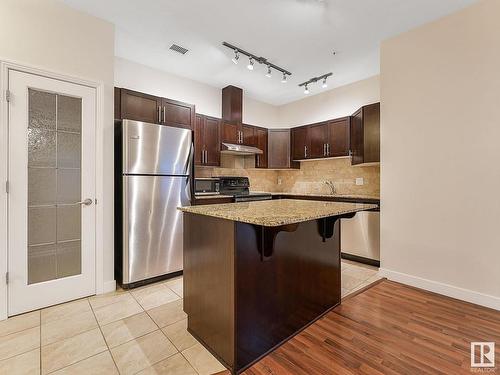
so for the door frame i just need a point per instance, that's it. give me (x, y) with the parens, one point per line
(5, 66)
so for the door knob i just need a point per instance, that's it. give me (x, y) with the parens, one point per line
(86, 202)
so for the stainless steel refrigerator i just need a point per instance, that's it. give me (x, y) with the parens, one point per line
(153, 176)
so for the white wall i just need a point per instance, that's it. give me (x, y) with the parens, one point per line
(51, 36)
(338, 102)
(440, 177)
(207, 99)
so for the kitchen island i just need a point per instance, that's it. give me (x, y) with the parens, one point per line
(256, 273)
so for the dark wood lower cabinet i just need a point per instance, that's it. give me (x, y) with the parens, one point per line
(248, 288)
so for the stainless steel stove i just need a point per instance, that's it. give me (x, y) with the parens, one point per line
(239, 188)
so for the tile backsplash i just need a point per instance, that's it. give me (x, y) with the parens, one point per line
(309, 179)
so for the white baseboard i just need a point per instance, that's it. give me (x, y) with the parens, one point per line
(441, 288)
(109, 286)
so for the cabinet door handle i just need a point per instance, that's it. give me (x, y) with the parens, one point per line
(324, 149)
(258, 160)
(206, 156)
(305, 151)
(328, 149)
(164, 115)
(159, 114)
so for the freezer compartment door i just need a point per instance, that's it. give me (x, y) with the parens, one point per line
(361, 235)
(155, 149)
(152, 225)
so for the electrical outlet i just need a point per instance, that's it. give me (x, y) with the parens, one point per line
(360, 181)
(279, 181)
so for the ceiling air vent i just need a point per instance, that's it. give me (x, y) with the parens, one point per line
(179, 49)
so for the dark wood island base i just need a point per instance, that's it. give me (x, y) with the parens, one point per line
(248, 288)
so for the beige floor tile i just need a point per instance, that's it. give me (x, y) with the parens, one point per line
(19, 342)
(178, 334)
(100, 364)
(143, 352)
(124, 330)
(350, 282)
(67, 327)
(108, 298)
(57, 312)
(177, 285)
(168, 313)
(202, 360)
(175, 365)
(67, 352)
(23, 364)
(360, 272)
(19, 323)
(154, 296)
(118, 310)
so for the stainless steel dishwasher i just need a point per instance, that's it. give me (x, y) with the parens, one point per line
(360, 237)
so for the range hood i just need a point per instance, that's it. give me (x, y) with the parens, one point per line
(236, 149)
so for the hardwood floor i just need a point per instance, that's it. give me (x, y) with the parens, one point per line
(389, 328)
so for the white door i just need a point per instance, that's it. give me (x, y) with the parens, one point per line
(51, 210)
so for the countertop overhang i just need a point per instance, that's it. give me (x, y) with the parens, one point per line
(272, 213)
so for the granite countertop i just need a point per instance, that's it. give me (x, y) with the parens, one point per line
(271, 213)
(354, 196)
(211, 196)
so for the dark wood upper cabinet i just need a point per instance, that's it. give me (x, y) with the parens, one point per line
(248, 134)
(232, 104)
(133, 105)
(318, 139)
(179, 114)
(338, 137)
(199, 150)
(212, 141)
(365, 135)
(139, 106)
(300, 143)
(279, 150)
(207, 140)
(230, 132)
(261, 161)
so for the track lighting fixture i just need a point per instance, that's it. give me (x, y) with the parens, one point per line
(268, 74)
(236, 56)
(250, 63)
(254, 58)
(314, 80)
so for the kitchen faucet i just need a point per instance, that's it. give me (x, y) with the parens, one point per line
(331, 185)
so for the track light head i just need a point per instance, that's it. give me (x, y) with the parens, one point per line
(324, 85)
(283, 79)
(268, 74)
(306, 90)
(236, 57)
(250, 64)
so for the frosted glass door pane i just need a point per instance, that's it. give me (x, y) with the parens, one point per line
(54, 186)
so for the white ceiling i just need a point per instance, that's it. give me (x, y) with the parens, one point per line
(298, 35)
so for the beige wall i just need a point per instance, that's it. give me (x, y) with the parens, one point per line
(339, 102)
(207, 99)
(440, 180)
(51, 36)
